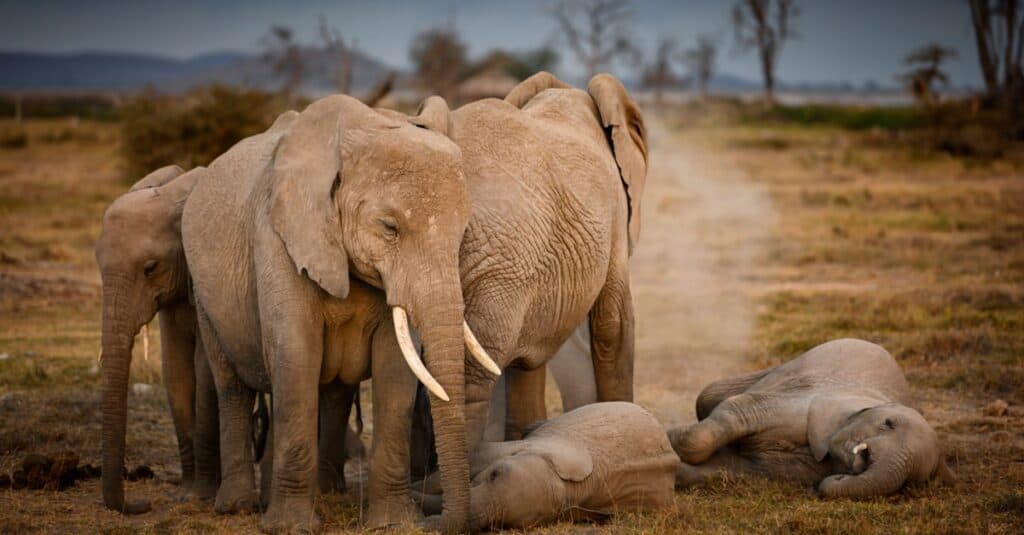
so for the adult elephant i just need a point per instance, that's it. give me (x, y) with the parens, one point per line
(311, 248)
(144, 272)
(143, 268)
(555, 175)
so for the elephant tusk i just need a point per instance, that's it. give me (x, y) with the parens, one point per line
(859, 448)
(478, 352)
(145, 342)
(412, 358)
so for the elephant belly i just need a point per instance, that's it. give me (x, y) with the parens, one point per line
(644, 485)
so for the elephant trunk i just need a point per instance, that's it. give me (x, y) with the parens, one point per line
(444, 354)
(118, 338)
(884, 476)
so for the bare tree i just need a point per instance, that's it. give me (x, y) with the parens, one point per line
(658, 75)
(439, 57)
(339, 55)
(284, 56)
(596, 31)
(764, 25)
(700, 62)
(999, 35)
(927, 70)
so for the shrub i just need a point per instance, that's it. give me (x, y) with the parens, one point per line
(189, 131)
(13, 138)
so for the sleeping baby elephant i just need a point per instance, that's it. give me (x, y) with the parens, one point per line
(837, 414)
(589, 463)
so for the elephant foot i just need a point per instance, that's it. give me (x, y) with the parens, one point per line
(394, 512)
(330, 480)
(290, 516)
(136, 508)
(235, 499)
(688, 476)
(204, 491)
(691, 444)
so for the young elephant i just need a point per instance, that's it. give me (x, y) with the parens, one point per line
(589, 463)
(142, 263)
(837, 414)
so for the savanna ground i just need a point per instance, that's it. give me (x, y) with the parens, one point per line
(759, 242)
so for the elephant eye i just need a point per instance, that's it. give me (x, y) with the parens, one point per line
(494, 475)
(149, 268)
(389, 225)
(890, 424)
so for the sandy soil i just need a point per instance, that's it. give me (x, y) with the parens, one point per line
(703, 234)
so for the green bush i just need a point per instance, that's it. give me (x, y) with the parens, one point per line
(189, 131)
(847, 117)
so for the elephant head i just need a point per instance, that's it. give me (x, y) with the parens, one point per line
(879, 445)
(359, 193)
(520, 483)
(142, 264)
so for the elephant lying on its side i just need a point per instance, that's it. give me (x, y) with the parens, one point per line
(837, 414)
(589, 463)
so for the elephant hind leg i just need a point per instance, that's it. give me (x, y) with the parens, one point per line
(723, 461)
(611, 338)
(235, 402)
(720, 390)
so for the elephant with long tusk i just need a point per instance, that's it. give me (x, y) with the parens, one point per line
(314, 249)
(836, 416)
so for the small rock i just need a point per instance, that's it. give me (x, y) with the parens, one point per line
(5, 356)
(997, 408)
(142, 388)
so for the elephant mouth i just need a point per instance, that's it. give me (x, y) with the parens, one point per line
(861, 457)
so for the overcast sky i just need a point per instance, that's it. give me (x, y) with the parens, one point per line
(851, 40)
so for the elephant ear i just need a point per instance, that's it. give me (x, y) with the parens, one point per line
(571, 462)
(624, 124)
(432, 115)
(530, 87)
(828, 413)
(158, 178)
(307, 172)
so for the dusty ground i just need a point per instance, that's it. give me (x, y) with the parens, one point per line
(758, 243)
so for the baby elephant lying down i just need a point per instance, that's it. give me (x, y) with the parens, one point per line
(585, 464)
(837, 414)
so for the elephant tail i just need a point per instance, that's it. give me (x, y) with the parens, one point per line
(260, 425)
(359, 414)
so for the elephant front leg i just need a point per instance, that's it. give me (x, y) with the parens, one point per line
(730, 421)
(611, 339)
(394, 394)
(177, 341)
(525, 400)
(295, 382)
(335, 406)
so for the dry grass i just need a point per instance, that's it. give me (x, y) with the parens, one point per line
(920, 252)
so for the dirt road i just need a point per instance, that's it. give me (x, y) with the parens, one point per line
(704, 229)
